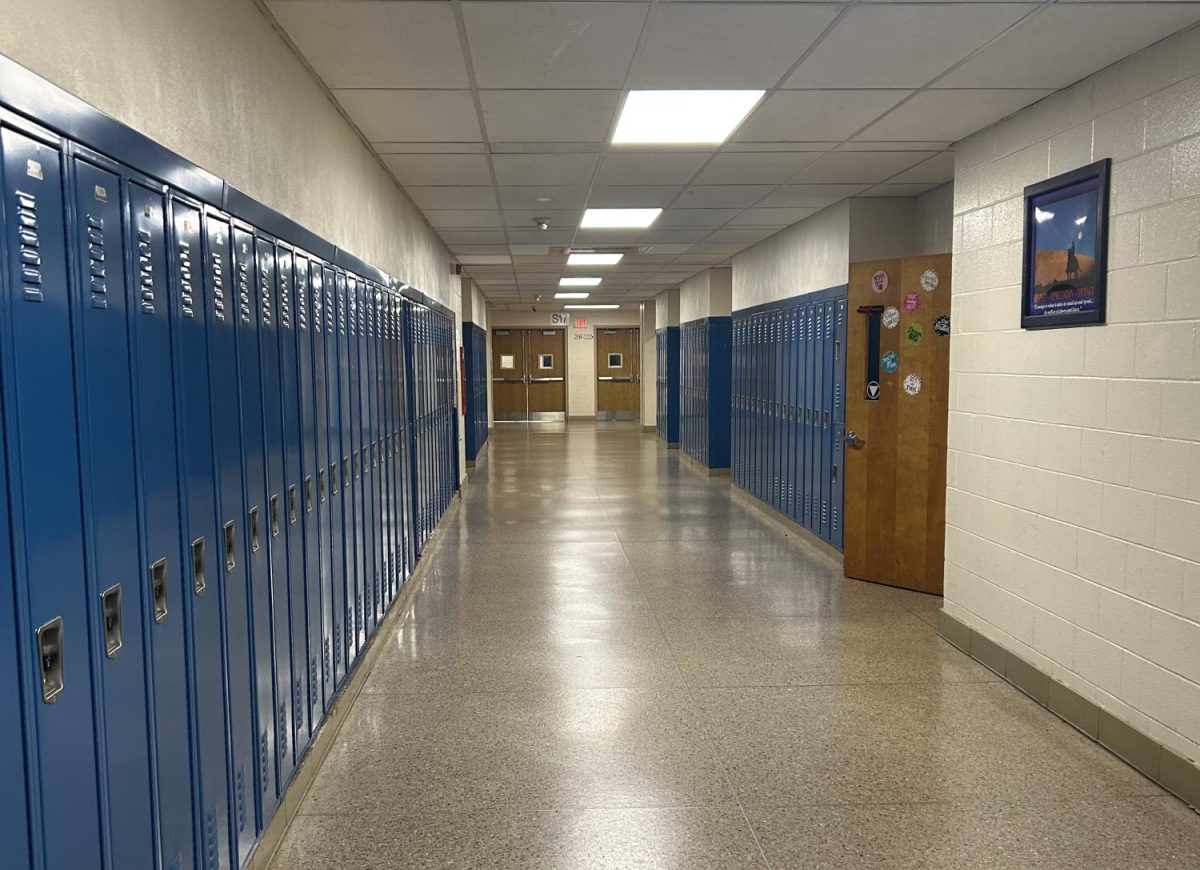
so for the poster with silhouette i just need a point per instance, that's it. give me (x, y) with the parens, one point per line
(1066, 239)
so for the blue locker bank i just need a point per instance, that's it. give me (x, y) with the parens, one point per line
(225, 443)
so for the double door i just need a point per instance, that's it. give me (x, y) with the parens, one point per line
(529, 374)
(618, 374)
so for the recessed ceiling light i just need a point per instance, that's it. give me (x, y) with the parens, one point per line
(579, 282)
(589, 307)
(681, 117)
(572, 295)
(593, 259)
(618, 218)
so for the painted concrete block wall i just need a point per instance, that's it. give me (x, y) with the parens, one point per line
(216, 83)
(706, 294)
(935, 220)
(808, 256)
(666, 309)
(882, 227)
(1073, 508)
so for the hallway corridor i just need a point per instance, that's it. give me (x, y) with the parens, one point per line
(611, 662)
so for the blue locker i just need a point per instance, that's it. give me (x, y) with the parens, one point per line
(403, 385)
(322, 339)
(778, 365)
(346, 344)
(383, 459)
(797, 422)
(306, 283)
(234, 589)
(197, 555)
(44, 481)
(371, 597)
(809, 440)
(166, 577)
(254, 498)
(292, 510)
(818, 378)
(110, 511)
(788, 372)
(275, 527)
(837, 481)
(354, 470)
(827, 417)
(340, 516)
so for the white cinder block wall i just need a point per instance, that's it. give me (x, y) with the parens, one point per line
(1073, 509)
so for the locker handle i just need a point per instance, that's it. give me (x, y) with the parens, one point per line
(321, 484)
(308, 494)
(254, 531)
(230, 551)
(274, 507)
(50, 656)
(293, 507)
(158, 589)
(110, 606)
(198, 579)
(826, 423)
(333, 477)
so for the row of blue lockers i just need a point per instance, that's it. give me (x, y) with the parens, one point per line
(475, 358)
(789, 407)
(222, 455)
(666, 384)
(704, 390)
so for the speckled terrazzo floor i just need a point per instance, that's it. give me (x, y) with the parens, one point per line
(611, 663)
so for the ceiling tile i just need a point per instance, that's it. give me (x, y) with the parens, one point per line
(771, 217)
(740, 236)
(778, 146)
(473, 237)
(946, 114)
(552, 45)
(1063, 44)
(531, 236)
(816, 115)
(650, 167)
(460, 218)
(859, 167)
(545, 169)
(895, 145)
(901, 46)
(743, 45)
(412, 116)
(772, 168)
(722, 196)
(656, 236)
(560, 219)
(890, 189)
(376, 45)
(696, 217)
(810, 195)
(548, 116)
(451, 169)
(468, 249)
(626, 196)
(531, 197)
(937, 169)
(451, 197)
(429, 147)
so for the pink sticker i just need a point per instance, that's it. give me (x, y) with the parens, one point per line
(912, 301)
(879, 281)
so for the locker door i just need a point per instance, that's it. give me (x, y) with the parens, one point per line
(777, 442)
(165, 577)
(837, 475)
(366, 397)
(229, 560)
(354, 472)
(110, 516)
(305, 313)
(785, 386)
(321, 328)
(293, 582)
(197, 554)
(809, 440)
(45, 487)
(382, 455)
(275, 526)
(827, 417)
(255, 521)
(797, 422)
(761, 456)
(340, 515)
(349, 368)
(820, 432)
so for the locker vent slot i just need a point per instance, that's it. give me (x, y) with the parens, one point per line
(50, 652)
(145, 271)
(240, 798)
(186, 287)
(230, 548)
(158, 589)
(218, 282)
(264, 292)
(255, 536)
(28, 243)
(275, 516)
(110, 606)
(243, 284)
(282, 732)
(198, 566)
(97, 278)
(293, 509)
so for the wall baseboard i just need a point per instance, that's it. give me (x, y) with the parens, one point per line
(650, 429)
(324, 739)
(1143, 753)
(700, 468)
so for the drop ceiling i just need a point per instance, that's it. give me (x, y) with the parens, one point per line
(493, 114)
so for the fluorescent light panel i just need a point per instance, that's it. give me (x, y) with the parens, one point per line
(682, 117)
(584, 259)
(579, 281)
(618, 218)
(589, 307)
(572, 295)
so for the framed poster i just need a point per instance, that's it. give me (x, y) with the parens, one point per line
(1066, 249)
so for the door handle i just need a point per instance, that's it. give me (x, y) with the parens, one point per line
(50, 659)
(853, 440)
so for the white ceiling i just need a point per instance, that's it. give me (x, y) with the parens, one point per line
(493, 114)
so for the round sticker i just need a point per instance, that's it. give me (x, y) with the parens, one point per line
(942, 325)
(890, 361)
(914, 334)
(912, 384)
(879, 281)
(912, 301)
(929, 280)
(891, 317)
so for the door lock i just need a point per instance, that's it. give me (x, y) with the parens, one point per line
(853, 440)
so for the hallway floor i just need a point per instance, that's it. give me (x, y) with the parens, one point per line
(612, 663)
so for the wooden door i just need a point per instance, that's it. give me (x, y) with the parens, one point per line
(896, 473)
(618, 374)
(547, 368)
(509, 375)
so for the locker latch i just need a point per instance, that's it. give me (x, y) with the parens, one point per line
(293, 510)
(230, 544)
(275, 515)
(255, 542)
(308, 494)
(50, 656)
(198, 579)
(158, 589)
(110, 606)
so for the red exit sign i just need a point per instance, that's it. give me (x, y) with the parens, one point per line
(580, 323)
